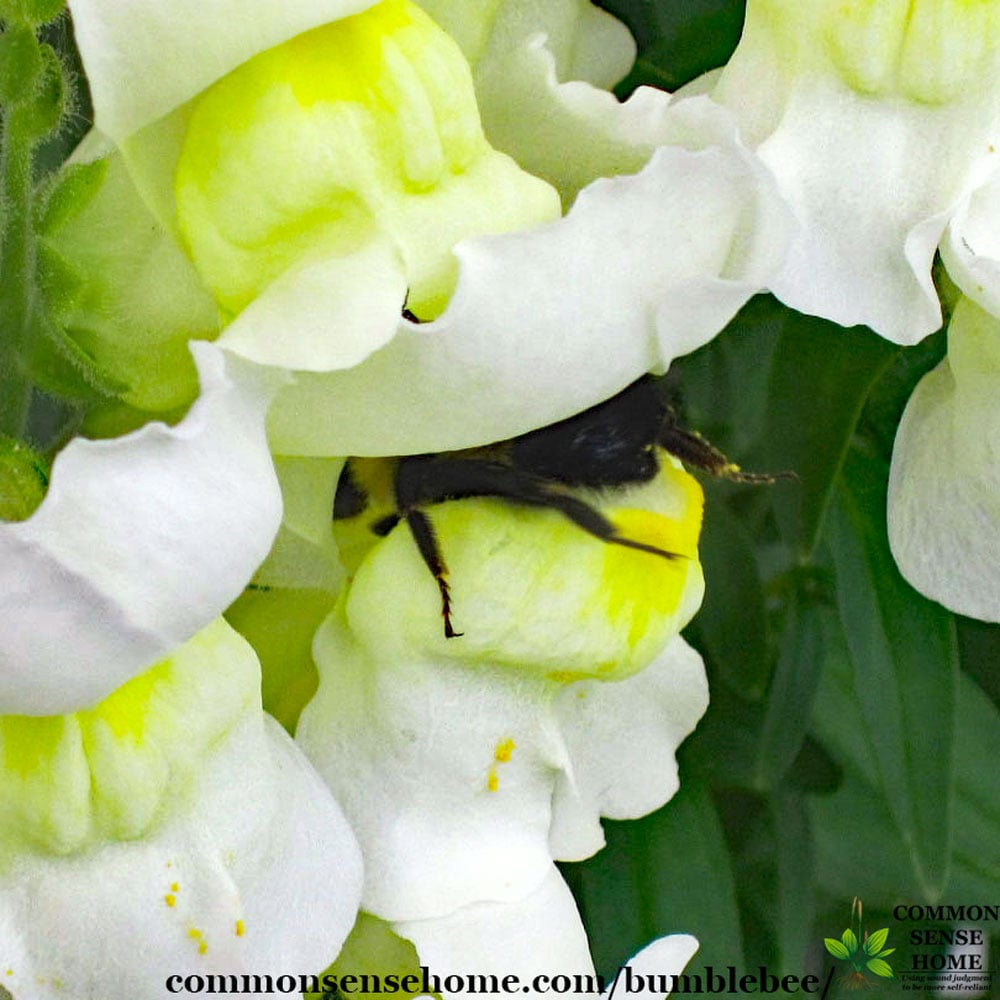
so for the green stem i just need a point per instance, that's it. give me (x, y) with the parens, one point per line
(17, 259)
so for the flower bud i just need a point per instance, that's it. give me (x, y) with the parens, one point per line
(24, 478)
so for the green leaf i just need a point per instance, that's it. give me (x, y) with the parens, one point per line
(820, 377)
(887, 951)
(669, 872)
(678, 41)
(850, 940)
(793, 689)
(852, 828)
(904, 659)
(835, 948)
(880, 968)
(875, 941)
(796, 908)
(732, 622)
(977, 807)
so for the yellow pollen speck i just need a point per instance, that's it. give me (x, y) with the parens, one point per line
(195, 933)
(9, 972)
(202, 947)
(493, 781)
(504, 750)
(174, 887)
(170, 899)
(240, 928)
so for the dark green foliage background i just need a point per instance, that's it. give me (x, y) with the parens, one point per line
(852, 741)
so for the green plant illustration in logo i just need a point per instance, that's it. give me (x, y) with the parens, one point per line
(865, 952)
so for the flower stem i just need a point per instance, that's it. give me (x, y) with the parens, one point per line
(16, 266)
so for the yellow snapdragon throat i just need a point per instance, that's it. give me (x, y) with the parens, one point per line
(532, 591)
(362, 131)
(111, 772)
(923, 50)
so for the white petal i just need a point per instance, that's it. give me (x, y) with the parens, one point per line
(548, 322)
(143, 59)
(407, 751)
(539, 935)
(262, 843)
(589, 43)
(622, 738)
(971, 248)
(664, 957)
(944, 485)
(327, 314)
(140, 542)
(520, 51)
(872, 176)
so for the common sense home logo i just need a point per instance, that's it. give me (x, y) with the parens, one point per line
(865, 953)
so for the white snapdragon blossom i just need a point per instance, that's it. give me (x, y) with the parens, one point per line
(943, 511)
(140, 542)
(944, 488)
(466, 765)
(541, 935)
(879, 119)
(313, 209)
(170, 830)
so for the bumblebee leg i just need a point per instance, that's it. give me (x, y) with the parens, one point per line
(426, 480)
(595, 523)
(427, 543)
(692, 449)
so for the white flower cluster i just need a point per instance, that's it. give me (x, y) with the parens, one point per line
(286, 191)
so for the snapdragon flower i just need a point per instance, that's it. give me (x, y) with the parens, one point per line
(541, 935)
(879, 119)
(139, 543)
(313, 211)
(171, 829)
(466, 765)
(943, 505)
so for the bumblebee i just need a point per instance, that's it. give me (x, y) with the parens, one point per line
(614, 443)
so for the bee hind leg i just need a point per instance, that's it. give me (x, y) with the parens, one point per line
(425, 537)
(595, 523)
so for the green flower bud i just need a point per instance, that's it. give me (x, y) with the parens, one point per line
(24, 479)
(20, 64)
(44, 110)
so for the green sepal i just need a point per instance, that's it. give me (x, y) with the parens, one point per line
(43, 113)
(24, 480)
(60, 366)
(68, 194)
(57, 281)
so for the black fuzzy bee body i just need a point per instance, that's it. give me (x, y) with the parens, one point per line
(615, 443)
